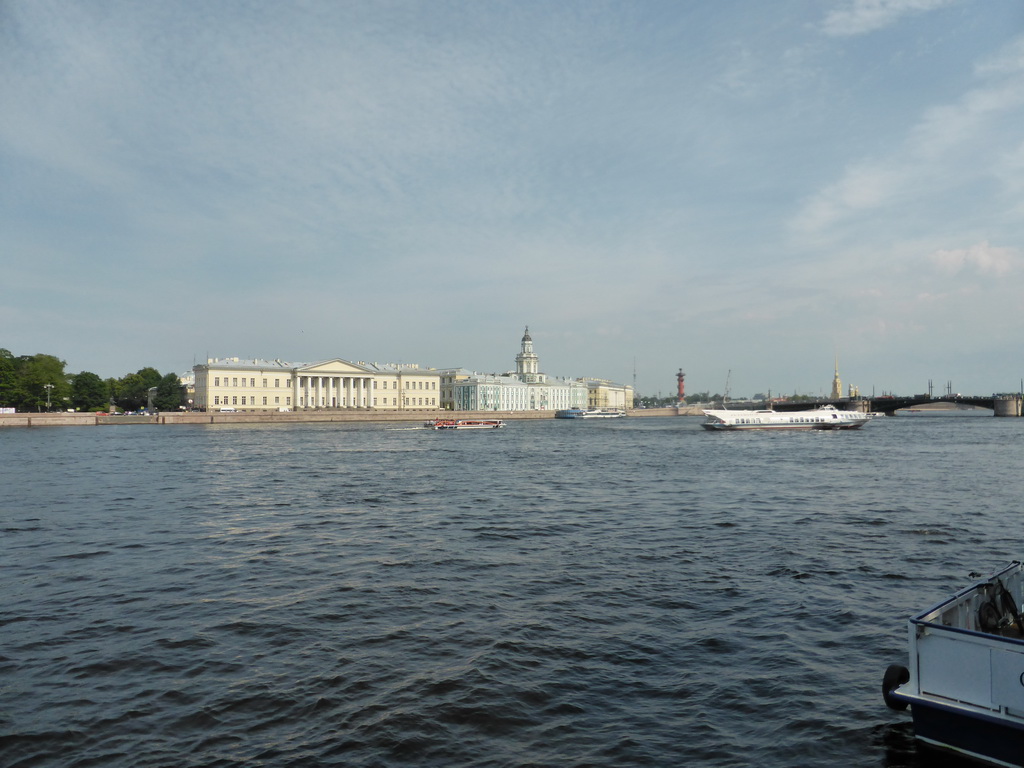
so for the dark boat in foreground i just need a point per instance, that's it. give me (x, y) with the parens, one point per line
(965, 679)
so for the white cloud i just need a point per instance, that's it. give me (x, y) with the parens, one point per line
(857, 17)
(983, 259)
(1009, 60)
(863, 187)
(970, 140)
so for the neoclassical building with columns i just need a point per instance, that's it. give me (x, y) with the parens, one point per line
(255, 385)
(274, 385)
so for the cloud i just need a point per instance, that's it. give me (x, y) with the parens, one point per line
(858, 17)
(983, 259)
(955, 146)
(863, 187)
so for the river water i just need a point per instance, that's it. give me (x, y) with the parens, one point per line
(631, 592)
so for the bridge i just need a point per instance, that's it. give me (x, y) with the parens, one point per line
(1000, 405)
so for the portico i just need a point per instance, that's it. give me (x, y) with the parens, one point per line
(323, 386)
(264, 385)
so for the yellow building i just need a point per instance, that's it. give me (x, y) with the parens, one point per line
(602, 393)
(255, 385)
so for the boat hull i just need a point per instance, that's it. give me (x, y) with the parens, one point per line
(447, 424)
(598, 413)
(964, 682)
(824, 418)
(982, 737)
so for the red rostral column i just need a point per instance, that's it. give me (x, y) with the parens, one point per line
(682, 385)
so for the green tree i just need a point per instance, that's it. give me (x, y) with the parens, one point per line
(42, 380)
(89, 392)
(8, 379)
(113, 392)
(169, 393)
(132, 390)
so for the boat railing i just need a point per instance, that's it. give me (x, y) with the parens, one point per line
(969, 651)
(990, 606)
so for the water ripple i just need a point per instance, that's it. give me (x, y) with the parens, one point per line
(640, 593)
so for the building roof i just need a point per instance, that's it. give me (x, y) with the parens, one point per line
(262, 364)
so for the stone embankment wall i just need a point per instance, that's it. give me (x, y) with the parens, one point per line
(341, 416)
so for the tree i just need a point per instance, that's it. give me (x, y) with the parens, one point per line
(132, 390)
(169, 393)
(42, 380)
(89, 392)
(8, 379)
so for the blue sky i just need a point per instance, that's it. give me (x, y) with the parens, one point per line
(738, 189)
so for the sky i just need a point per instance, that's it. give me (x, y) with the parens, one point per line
(743, 190)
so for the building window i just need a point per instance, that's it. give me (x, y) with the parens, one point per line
(234, 401)
(216, 399)
(264, 400)
(216, 381)
(264, 383)
(277, 383)
(287, 401)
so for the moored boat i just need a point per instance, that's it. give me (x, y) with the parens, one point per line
(604, 413)
(590, 413)
(965, 680)
(570, 413)
(825, 417)
(465, 424)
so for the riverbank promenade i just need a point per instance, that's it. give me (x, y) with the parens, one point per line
(292, 417)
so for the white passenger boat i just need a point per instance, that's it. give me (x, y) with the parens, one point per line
(590, 413)
(965, 681)
(465, 424)
(825, 417)
(604, 413)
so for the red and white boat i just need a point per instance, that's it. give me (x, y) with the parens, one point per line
(465, 424)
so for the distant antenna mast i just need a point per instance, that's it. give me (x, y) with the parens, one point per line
(725, 397)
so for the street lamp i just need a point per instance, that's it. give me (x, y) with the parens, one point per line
(47, 387)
